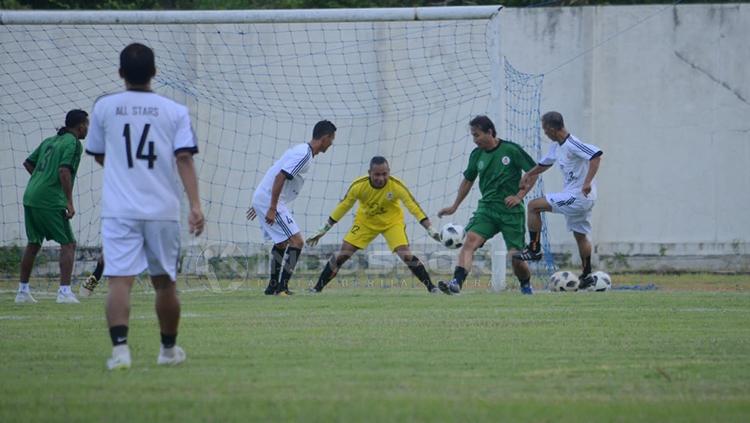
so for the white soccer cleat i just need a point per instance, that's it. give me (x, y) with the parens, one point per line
(171, 356)
(120, 358)
(66, 298)
(24, 297)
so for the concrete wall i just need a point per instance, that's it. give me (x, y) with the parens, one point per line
(668, 100)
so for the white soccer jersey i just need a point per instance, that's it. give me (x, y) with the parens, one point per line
(139, 133)
(294, 163)
(572, 157)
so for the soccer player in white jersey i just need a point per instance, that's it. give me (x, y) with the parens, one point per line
(147, 141)
(278, 188)
(578, 163)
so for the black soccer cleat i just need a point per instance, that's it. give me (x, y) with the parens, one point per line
(586, 281)
(271, 288)
(528, 254)
(443, 286)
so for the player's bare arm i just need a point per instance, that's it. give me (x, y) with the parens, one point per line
(278, 185)
(593, 168)
(186, 169)
(66, 181)
(463, 191)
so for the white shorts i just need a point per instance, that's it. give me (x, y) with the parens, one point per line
(575, 208)
(131, 246)
(282, 229)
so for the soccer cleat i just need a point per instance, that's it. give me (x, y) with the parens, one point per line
(526, 289)
(314, 290)
(450, 288)
(586, 281)
(24, 297)
(284, 293)
(120, 359)
(434, 290)
(171, 356)
(528, 255)
(270, 289)
(87, 287)
(66, 298)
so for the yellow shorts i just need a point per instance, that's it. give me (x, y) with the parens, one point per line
(361, 236)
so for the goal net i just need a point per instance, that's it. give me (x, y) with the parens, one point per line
(401, 83)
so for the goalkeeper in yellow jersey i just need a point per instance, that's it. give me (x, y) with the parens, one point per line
(379, 213)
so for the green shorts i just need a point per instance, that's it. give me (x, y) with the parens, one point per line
(487, 222)
(48, 224)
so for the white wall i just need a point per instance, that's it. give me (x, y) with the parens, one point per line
(668, 101)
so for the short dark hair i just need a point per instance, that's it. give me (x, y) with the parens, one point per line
(553, 120)
(137, 64)
(75, 117)
(322, 128)
(377, 160)
(484, 124)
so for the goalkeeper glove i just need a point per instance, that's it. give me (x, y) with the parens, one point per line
(313, 240)
(434, 235)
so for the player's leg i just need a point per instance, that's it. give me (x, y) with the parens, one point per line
(513, 233)
(67, 257)
(123, 243)
(291, 256)
(167, 306)
(333, 265)
(584, 249)
(277, 259)
(416, 267)
(35, 236)
(465, 259)
(88, 286)
(482, 226)
(398, 242)
(533, 251)
(162, 247)
(27, 264)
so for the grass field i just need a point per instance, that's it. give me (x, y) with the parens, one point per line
(681, 353)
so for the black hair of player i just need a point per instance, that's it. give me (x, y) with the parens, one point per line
(378, 160)
(553, 120)
(74, 118)
(484, 124)
(137, 64)
(322, 128)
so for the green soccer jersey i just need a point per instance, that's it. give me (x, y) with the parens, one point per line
(44, 190)
(499, 172)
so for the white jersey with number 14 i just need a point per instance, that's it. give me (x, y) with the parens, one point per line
(139, 133)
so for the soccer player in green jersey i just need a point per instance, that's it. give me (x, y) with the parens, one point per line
(48, 202)
(498, 164)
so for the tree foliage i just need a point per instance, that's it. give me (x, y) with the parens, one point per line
(298, 4)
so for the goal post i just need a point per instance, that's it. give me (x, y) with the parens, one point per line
(397, 82)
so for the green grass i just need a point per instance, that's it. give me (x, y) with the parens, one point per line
(371, 354)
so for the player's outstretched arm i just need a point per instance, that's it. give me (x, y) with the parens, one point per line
(430, 231)
(463, 191)
(315, 238)
(186, 169)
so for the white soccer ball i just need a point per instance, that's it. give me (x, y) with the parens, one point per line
(564, 281)
(452, 235)
(603, 282)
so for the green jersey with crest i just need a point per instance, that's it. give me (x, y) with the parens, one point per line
(499, 172)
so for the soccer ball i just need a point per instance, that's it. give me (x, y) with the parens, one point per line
(564, 281)
(603, 282)
(452, 235)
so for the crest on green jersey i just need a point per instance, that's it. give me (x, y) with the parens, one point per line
(480, 165)
(506, 160)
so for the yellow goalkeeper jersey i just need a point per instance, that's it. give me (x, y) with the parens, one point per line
(379, 208)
